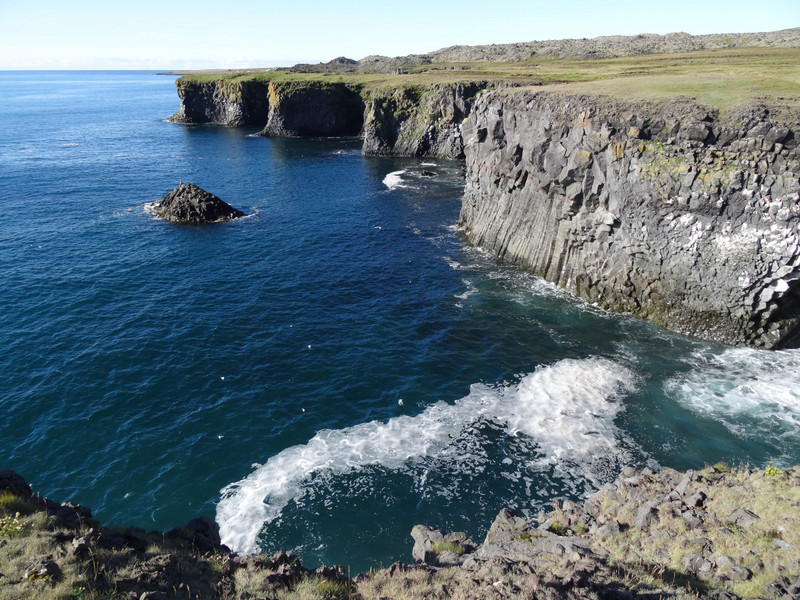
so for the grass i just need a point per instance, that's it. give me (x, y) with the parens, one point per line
(11, 504)
(722, 79)
(97, 572)
(442, 547)
(771, 495)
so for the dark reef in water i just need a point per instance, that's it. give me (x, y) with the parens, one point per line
(192, 205)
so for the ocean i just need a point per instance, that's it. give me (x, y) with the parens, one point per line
(334, 368)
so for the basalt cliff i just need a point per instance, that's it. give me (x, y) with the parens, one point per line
(663, 209)
(669, 208)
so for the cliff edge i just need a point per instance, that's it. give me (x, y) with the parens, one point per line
(663, 186)
(715, 533)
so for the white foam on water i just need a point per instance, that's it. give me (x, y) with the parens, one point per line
(754, 393)
(394, 180)
(566, 409)
(150, 210)
(471, 290)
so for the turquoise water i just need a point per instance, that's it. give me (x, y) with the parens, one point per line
(329, 371)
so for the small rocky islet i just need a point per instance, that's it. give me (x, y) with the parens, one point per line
(192, 205)
(718, 532)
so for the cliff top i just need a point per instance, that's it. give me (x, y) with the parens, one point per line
(720, 78)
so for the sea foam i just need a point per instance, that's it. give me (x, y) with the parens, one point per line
(394, 180)
(567, 410)
(752, 392)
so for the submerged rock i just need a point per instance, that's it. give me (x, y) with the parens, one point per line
(192, 205)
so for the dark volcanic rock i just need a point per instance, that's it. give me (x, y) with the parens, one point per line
(190, 204)
(15, 484)
(314, 109)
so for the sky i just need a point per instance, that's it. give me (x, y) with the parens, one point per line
(181, 34)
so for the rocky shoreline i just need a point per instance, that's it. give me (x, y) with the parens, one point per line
(718, 532)
(666, 208)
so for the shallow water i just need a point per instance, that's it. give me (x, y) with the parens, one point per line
(329, 371)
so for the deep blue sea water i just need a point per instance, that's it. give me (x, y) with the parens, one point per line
(329, 371)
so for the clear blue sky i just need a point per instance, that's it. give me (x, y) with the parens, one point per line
(175, 34)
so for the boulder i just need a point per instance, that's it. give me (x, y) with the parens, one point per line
(424, 539)
(646, 517)
(193, 205)
(742, 517)
(42, 568)
(436, 548)
(203, 533)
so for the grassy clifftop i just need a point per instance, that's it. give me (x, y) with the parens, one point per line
(721, 79)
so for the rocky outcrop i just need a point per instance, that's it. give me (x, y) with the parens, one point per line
(663, 210)
(192, 205)
(699, 536)
(419, 121)
(611, 46)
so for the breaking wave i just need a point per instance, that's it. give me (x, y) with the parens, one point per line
(752, 392)
(394, 180)
(566, 410)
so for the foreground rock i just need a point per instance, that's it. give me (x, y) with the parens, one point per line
(192, 205)
(715, 533)
(665, 210)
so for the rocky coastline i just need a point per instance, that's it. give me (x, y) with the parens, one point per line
(423, 121)
(668, 208)
(718, 532)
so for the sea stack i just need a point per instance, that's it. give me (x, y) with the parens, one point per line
(193, 205)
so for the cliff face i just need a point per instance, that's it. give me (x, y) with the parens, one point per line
(407, 121)
(664, 211)
(313, 109)
(419, 121)
(231, 103)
